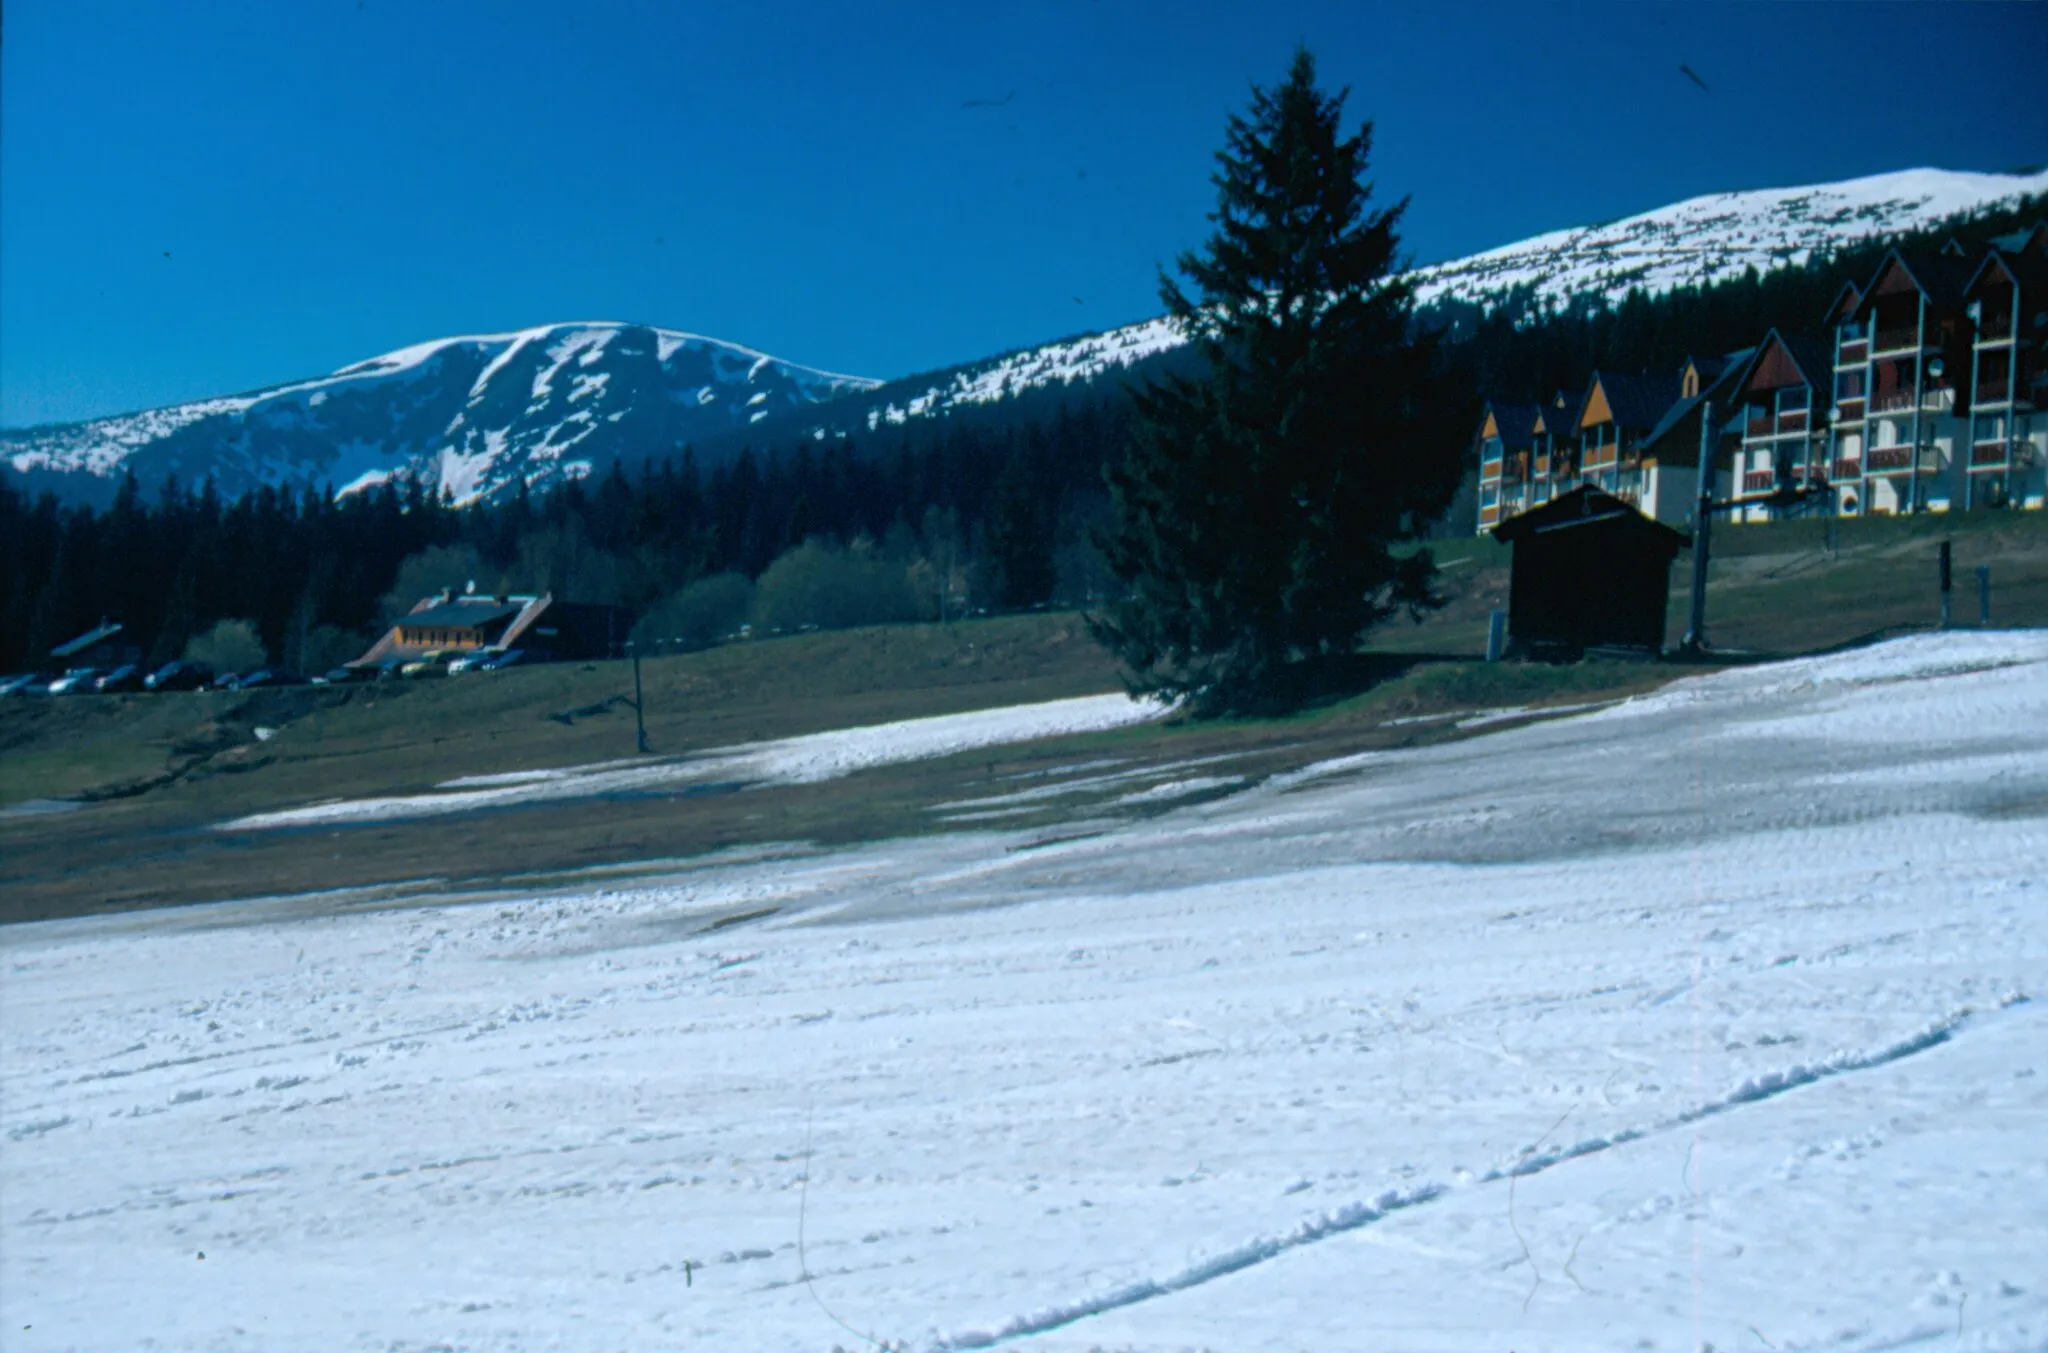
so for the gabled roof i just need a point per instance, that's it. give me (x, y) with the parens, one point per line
(1582, 507)
(1634, 400)
(1707, 367)
(1847, 301)
(2026, 267)
(1808, 356)
(1558, 416)
(1938, 277)
(103, 631)
(1516, 423)
(1680, 414)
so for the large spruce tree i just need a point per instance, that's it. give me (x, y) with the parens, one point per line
(1258, 500)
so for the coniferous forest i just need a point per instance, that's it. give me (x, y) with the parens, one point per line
(989, 509)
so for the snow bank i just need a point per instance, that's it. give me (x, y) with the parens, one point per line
(800, 760)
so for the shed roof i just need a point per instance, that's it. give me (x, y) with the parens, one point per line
(1585, 506)
(460, 614)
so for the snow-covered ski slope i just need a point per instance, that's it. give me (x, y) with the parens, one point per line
(1714, 1018)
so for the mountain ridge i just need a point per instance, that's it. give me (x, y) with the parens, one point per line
(475, 415)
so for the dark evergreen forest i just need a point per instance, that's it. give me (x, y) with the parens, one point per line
(1000, 504)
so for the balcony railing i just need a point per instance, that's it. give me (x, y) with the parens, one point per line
(1597, 457)
(1852, 410)
(1890, 457)
(1994, 328)
(1757, 481)
(1994, 392)
(1854, 353)
(1891, 400)
(1988, 453)
(1897, 340)
(1848, 467)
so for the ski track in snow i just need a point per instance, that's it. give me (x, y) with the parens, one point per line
(1696, 1019)
(1353, 1215)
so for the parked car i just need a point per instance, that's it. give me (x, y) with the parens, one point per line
(268, 676)
(499, 661)
(225, 681)
(76, 681)
(178, 676)
(470, 661)
(432, 664)
(123, 679)
(346, 676)
(28, 683)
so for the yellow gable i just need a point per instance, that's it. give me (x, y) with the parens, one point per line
(1597, 411)
(1492, 428)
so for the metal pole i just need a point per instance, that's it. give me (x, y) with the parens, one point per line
(1702, 517)
(1496, 635)
(1919, 394)
(1945, 581)
(639, 704)
(1984, 595)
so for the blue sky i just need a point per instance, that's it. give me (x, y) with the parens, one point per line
(202, 198)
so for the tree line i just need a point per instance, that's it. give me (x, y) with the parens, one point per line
(968, 516)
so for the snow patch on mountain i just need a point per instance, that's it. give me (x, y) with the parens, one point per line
(1698, 241)
(471, 416)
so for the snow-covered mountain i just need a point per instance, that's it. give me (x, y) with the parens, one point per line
(1701, 240)
(474, 414)
(477, 415)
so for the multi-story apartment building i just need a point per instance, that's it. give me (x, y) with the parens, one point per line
(1930, 394)
(2006, 300)
(1506, 467)
(1527, 455)
(1777, 413)
(1901, 356)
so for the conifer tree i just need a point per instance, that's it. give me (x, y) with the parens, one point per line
(1258, 499)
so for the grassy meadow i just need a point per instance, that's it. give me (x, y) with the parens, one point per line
(110, 802)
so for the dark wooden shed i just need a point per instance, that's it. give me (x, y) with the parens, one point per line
(1589, 572)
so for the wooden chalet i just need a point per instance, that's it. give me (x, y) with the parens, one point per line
(2006, 300)
(1589, 571)
(451, 622)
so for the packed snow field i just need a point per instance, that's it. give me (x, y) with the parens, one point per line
(1713, 1018)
